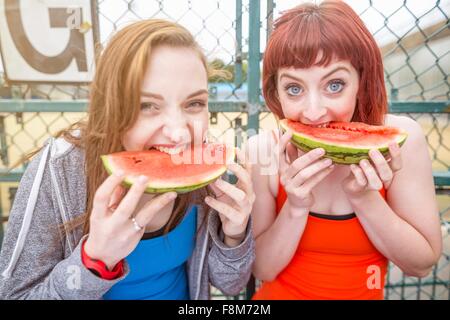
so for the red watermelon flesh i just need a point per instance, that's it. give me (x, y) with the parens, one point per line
(352, 133)
(187, 171)
(344, 142)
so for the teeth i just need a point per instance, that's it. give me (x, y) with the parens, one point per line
(171, 150)
(322, 125)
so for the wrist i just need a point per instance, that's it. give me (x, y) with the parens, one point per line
(100, 268)
(363, 199)
(234, 241)
(90, 252)
(297, 212)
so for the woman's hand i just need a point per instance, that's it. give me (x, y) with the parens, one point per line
(234, 202)
(373, 175)
(113, 235)
(301, 175)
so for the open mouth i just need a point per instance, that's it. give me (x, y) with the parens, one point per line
(171, 149)
(319, 125)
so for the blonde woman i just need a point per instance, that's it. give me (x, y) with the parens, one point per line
(150, 90)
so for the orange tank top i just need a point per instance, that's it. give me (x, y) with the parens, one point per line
(334, 260)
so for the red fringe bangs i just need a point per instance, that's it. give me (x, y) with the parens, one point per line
(310, 35)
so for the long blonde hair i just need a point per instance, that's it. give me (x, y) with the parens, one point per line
(115, 99)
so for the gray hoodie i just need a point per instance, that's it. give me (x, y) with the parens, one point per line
(38, 261)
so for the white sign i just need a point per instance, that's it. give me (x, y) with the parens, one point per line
(48, 41)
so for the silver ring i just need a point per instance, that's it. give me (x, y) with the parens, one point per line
(136, 225)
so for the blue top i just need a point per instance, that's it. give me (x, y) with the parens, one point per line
(158, 265)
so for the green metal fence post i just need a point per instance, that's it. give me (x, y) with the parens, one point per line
(253, 82)
(269, 18)
(3, 142)
(238, 58)
(253, 67)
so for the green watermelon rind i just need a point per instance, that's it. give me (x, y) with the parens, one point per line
(338, 153)
(127, 183)
(179, 190)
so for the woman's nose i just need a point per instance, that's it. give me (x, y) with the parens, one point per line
(174, 135)
(314, 114)
(314, 110)
(175, 128)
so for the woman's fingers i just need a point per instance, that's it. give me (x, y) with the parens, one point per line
(310, 171)
(360, 178)
(281, 149)
(371, 175)
(102, 197)
(243, 175)
(116, 197)
(303, 162)
(228, 211)
(291, 152)
(396, 157)
(152, 207)
(243, 159)
(304, 190)
(231, 191)
(383, 169)
(130, 201)
(217, 192)
(284, 140)
(244, 179)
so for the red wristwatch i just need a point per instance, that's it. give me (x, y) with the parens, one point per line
(99, 268)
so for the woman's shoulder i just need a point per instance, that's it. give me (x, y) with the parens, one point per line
(61, 147)
(411, 126)
(55, 152)
(416, 141)
(68, 160)
(261, 152)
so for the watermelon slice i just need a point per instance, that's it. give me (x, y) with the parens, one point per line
(189, 170)
(344, 142)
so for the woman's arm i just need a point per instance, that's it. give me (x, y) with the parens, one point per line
(229, 267)
(406, 228)
(233, 250)
(275, 236)
(42, 271)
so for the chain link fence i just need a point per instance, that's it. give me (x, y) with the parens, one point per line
(414, 37)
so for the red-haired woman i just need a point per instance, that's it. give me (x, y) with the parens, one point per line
(327, 231)
(76, 233)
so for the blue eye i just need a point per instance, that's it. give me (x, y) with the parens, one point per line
(293, 90)
(335, 86)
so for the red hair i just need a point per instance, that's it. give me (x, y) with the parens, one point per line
(335, 31)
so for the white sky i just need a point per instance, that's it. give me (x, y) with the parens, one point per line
(212, 21)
